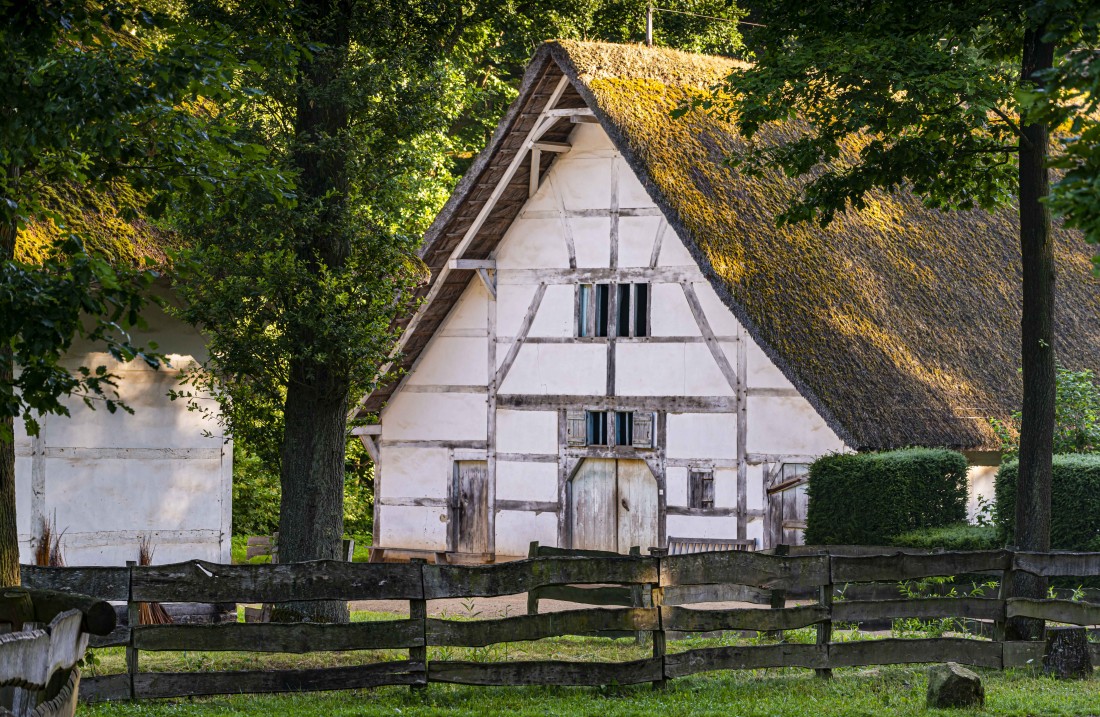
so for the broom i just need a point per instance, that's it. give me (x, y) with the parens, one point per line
(150, 613)
(47, 553)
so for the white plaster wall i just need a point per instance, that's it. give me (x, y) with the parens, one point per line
(518, 480)
(414, 472)
(788, 425)
(527, 431)
(981, 482)
(516, 529)
(438, 365)
(413, 527)
(109, 479)
(676, 486)
(702, 435)
(698, 526)
(435, 416)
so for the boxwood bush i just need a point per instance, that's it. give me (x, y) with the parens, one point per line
(868, 498)
(1074, 502)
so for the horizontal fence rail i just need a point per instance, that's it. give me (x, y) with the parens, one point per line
(854, 586)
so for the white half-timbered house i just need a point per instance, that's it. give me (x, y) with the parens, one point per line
(618, 345)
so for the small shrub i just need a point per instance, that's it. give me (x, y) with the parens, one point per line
(1074, 502)
(867, 498)
(961, 536)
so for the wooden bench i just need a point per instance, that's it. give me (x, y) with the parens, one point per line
(439, 557)
(688, 546)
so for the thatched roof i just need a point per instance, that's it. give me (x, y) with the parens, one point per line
(899, 323)
(108, 220)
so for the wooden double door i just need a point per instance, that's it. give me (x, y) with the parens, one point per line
(613, 505)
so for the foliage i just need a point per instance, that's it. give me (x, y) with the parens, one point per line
(256, 492)
(960, 536)
(1075, 502)
(867, 498)
(936, 587)
(1076, 416)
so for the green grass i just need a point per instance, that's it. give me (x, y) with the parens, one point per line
(239, 548)
(882, 692)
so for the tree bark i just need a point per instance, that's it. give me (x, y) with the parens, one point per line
(1037, 347)
(311, 514)
(9, 532)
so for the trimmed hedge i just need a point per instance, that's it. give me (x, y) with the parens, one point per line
(868, 498)
(1074, 502)
(961, 536)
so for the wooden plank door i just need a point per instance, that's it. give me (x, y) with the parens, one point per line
(787, 503)
(592, 501)
(470, 504)
(637, 506)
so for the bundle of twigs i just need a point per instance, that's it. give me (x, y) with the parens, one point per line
(150, 613)
(47, 553)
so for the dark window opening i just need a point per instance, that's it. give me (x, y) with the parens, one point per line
(597, 428)
(641, 309)
(622, 326)
(593, 305)
(624, 428)
(603, 296)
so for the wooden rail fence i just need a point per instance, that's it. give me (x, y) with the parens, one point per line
(744, 576)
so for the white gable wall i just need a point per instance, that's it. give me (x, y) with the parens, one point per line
(107, 480)
(590, 222)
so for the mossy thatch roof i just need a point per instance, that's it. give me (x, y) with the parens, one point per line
(899, 323)
(108, 220)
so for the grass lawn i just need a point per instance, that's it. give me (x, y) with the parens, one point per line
(882, 692)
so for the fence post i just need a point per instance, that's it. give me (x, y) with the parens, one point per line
(418, 610)
(641, 595)
(779, 597)
(533, 593)
(133, 618)
(1003, 594)
(656, 599)
(825, 629)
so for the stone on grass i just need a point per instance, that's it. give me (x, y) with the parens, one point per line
(954, 686)
(1067, 655)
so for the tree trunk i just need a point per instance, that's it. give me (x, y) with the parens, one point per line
(1037, 334)
(311, 514)
(9, 532)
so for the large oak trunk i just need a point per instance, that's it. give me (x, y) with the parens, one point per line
(1037, 336)
(311, 514)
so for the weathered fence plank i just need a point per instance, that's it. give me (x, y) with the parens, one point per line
(898, 652)
(1059, 564)
(744, 568)
(102, 583)
(608, 595)
(761, 619)
(478, 633)
(105, 688)
(1076, 613)
(707, 659)
(199, 581)
(974, 608)
(691, 594)
(119, 636)
(155, 685)
(280, 637)
(902, 566)
(550, 672)
(451, 581)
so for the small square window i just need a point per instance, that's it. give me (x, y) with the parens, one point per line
(593, 305)
(632, 317)
(624, 428)
(701, 489)
(597, 428)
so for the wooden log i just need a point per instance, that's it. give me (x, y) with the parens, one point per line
(451, 581)
(760, 619)
(708, 659)
(98, 615)
(1066, 654)
(1076, 613)
(1079, 565)
(899, 652)
(691, 594)
(745, 568)
(549, 672)
(98, 582)
(157, 685)
(280, 637)
(973, 608)
(479, 633)
(621, 596)
(16, 608)
(902, 566)
(200, 581)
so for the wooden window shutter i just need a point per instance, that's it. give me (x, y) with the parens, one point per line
(576, 428)
(708, 491)
(643, 430)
